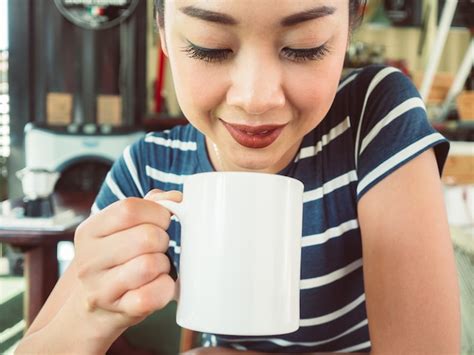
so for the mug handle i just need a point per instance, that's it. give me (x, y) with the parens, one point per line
(176, 208)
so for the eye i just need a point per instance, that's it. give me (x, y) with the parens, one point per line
(302, 55)
(209, 55)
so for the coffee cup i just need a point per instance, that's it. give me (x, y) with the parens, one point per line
(240, 253)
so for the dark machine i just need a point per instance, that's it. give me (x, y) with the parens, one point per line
(77, 87)
(403, 12)
(77, 99)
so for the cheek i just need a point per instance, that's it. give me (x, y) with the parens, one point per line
(311, 90)
(192, 86)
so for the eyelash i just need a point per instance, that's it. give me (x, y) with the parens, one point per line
(302, 55)
(219, 55)
(207, 54)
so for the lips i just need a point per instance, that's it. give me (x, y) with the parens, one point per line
(254, 136)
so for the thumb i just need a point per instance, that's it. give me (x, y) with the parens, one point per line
(152, 192)
(157, 195)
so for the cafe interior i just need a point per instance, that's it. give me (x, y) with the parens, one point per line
(82, 80)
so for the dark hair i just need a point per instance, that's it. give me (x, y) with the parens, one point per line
(356, 11)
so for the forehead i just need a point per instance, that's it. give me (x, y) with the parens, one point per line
(258, 12)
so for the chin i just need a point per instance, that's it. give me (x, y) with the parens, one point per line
(254, 165)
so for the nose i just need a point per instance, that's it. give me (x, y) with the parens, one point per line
(256, 85)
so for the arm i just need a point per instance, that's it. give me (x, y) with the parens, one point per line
(412, 294)
(63, 310)
(118, 277)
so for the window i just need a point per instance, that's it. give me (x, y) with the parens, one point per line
(4, 97)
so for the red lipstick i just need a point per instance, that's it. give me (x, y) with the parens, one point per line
(254, 136)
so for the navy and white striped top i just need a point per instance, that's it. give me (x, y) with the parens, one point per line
(376, 124)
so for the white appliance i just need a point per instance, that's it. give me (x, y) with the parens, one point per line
(57, 149)
(60, 148)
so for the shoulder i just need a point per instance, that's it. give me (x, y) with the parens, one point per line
(149, 162)
(391, 126)
(371, 91)
(159, 143)
(182, 133)
(378, 94)
(169, 155)
(376, 81)
(372, 75)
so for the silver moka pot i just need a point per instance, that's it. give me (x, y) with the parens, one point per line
(38, 186)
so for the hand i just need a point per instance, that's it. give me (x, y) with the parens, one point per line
(121, 262)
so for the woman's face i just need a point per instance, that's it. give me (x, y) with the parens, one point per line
(255, 76)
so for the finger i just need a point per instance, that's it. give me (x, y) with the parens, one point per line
(122, 215)
(130, 276)
(128, 244)
(148, 298)
(118, 248)
(157, 195)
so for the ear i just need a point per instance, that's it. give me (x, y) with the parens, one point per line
(164, 48)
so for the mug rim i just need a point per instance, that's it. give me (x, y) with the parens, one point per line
(248, 173)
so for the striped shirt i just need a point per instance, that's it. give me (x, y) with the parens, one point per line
(376, 124)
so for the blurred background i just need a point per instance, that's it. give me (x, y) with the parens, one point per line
(82, 79)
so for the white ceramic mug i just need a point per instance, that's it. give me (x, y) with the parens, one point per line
(240, 253)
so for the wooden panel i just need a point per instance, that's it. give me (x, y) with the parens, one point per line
(459, 169)
(465, 105)
(59, 108)
(439, 89)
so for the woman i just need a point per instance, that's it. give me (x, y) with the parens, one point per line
(261, 87)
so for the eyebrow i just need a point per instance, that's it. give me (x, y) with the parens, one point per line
(210, 16)
(307, 15)
(291, 20)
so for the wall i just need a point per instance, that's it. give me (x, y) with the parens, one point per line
(403, 42)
